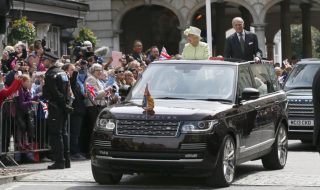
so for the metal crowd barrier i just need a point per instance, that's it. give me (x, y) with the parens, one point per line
(11, 145)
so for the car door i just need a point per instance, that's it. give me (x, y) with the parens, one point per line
(247, 111)
(264, 120)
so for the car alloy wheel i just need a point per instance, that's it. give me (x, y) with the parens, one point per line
(282, 146)
(229, 160)
(277, 158)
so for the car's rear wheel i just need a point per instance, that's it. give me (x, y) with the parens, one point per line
(224, 172)
(277, 158)
(105, 178)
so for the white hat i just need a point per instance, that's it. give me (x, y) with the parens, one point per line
(193, 30)
(87, 44)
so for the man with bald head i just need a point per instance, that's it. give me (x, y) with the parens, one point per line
(242, 44)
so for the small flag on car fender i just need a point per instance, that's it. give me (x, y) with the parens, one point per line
(147, 102)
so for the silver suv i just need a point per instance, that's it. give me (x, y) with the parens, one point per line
(299, 93)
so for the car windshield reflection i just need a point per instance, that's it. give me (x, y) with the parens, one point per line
(189, 82)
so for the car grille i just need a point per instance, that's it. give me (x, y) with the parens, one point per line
(193, 146)
(147, 128)
(101, 143)
(301, 110)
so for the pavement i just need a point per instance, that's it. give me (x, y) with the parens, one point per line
(301, 172)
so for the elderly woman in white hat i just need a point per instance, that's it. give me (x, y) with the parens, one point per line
(195, 49)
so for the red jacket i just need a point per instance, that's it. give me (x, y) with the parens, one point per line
(4, 93)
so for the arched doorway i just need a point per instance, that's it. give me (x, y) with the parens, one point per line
(287, 16)
(222, 15)
(153, 25)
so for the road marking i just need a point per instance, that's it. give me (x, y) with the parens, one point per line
(13, 187)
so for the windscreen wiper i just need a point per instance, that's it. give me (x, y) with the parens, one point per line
(215, 100)
(170, 98)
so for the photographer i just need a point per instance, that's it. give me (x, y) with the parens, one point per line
(19, 56)
(7, 59)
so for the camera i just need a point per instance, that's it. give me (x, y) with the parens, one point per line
(43, 44)
(114, 89)
(83, 62)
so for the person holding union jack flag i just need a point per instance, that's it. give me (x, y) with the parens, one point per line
(97, 96)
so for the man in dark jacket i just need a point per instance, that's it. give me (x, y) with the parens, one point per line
(56, 91)
(242, 44)
(316, 104)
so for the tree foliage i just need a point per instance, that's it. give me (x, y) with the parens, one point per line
(22, 30)
(296, 41)
(85, 34)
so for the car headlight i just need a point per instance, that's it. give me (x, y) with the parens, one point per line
(105, 122)
(198, 126)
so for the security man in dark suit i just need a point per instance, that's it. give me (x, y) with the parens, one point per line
(242, 44)
(56, 91)
(316, 105)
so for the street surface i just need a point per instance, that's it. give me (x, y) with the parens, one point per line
(301, 172)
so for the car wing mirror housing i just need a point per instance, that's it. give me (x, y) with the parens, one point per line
(124, 91)
(250, 94)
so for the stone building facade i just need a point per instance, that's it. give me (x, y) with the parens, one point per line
(162, 22)
(54, 20)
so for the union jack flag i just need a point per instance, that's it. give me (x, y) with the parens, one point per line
(92, 91)
(45, 109)
(164, 55)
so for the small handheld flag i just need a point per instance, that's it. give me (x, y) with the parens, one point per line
(164, 55)
(45, 109)
(92, 91)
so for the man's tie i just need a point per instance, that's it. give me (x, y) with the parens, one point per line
(241, 42)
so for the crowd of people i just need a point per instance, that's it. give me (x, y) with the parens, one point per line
(33, 75)
(92, 85)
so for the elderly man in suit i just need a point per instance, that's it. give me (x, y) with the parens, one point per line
(242, 44)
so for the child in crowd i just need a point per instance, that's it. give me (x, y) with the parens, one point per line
(24, 114)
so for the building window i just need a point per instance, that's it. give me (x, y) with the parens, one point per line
(53, 40)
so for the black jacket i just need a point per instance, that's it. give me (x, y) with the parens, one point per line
(79, 100)
(316, 104)
(56, 87)
(233, 47)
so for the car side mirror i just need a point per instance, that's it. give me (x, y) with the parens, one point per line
(250, 94)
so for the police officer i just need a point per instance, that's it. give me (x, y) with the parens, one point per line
(56, 90)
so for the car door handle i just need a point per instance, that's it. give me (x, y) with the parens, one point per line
(257, 107)
(277, 102)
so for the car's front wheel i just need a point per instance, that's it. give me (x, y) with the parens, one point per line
(105, 178)
(277, 158)
(224, 172)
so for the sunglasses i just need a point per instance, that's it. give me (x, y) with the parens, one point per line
(116, 72)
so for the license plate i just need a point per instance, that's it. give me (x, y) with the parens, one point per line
(301, 123)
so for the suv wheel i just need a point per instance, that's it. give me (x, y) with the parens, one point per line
(277, 158)
(105, 178)
(224, 172)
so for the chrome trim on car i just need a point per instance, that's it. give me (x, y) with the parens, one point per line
(147, 160)
(102, 143)
(301, 131)
(193, 146)
(244, 149)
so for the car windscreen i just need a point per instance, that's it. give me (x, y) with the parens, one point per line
(187, 81)
(301, 76)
